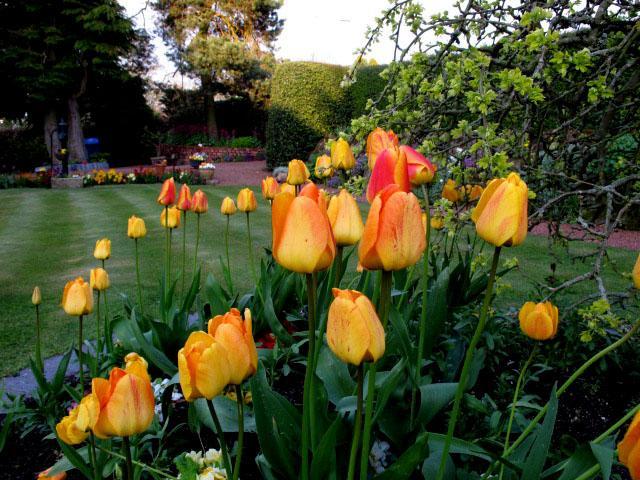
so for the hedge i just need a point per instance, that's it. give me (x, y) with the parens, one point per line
(307, 104)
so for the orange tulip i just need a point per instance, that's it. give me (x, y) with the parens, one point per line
(346, 221)
(354, 331)
(377, 141)
(420, 169)
(228, 206)
(473, 192)
(298, 173)
(199, 202)
(77, 298)
(269, 188)
(203, 366)
(47, 476)
(136, 227)
(103, 249)
(393, 236)
(341, 155)
(636, 273)
(302, 237)
(167, 193)
(174, 217)
(539, 320)
(99, 279)
(134, 363)
(184, 199)
(390, 168)
(74, 428)
(501, 213)
(323, 167)
(126, 400)
(286, 187)
(247, 200)
(235, 335)
(450, 191)
(629, 448)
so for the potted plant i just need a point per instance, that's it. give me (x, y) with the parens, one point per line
(197, 158)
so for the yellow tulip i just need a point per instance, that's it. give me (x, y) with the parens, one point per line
(323, 167)
(228, 206)
(247, 200)
(636, 273)
(501, 213)
(539, 321)
(103, 249)
(473, 192)
(203, 366)
(288, 188)
(354, 331)
(437, 223)
(99, 279)
(302, 237)
(346, 221)
(450, 191)
(629, 448)
(126, 401)
(174, 217)
(269, 188)
(36, 296)
(341, 155)
(136, 227)
(298, 173)
(235, 335)
(393, 236)
(74, 428)
(77, 298)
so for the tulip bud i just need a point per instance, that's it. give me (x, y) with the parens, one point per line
(420, 169)
(136, 227)
(629, 448)
(199, 202)
(539, 321)
(269, 188)
(288, 188)
(346, 221)
(298, 173)
(127, 404)
(247, 200)
(167, 193)
(390, 168)
(103, 249)
(134, 363)
(341, 155)
(437, 223)
(203, 366)
(174, 217)
(354, 331)
(184, 199)
(450, 191)
(302, 237)
(393, 236)
(501, 213)
(228, 206)
(47, 476)
(472, 192)
(377, 141)
(74, 428)
(77, 298)
(36, 297)
(636, 273)
(323, 167)
(235, 335)
(99, 279)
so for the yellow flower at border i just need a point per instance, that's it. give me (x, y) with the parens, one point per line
(99, 279)
(74, 428)
(203, 366)
(36, 296)
(341, 155)
(323, 169)
(288, 188)
(450, 191)
(345, 218)
(437, 223)
(174, 217)
(539, 321)
(269, 188)
(103, 249)
(629, 448)
(136, 227)
(298, 173)
(247, 200)
(228, 206)
(77, 298)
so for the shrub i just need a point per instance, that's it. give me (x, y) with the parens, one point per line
(368, 85)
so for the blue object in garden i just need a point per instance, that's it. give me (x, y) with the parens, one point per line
(92, 145)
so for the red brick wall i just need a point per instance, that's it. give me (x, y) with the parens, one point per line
(215, 154)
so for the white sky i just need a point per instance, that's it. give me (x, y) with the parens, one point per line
(319, 30)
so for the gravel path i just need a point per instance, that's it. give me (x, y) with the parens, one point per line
(628, 239)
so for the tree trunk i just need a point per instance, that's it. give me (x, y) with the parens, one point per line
(75, 144)
(51, 132)
(210, 109)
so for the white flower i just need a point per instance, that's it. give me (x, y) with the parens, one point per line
(212, 456)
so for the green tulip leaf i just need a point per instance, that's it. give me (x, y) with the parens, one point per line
(533, 465)
(433, 398)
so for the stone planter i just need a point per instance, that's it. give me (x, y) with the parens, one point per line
(66, 182)
(207, 174)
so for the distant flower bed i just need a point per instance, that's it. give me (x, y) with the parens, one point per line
(174, 138)
(146, 175)
(25, 180)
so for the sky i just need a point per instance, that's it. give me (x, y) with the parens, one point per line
(327, 31)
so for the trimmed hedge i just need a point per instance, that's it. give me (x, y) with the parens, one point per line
(308, 104)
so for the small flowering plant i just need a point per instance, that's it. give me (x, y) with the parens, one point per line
(207, 166)
(201, 465)
(198, 157)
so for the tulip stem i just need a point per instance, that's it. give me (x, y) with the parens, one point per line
(423, 313)
(195, 256)
(98, 345)
(308, 414)
(226, 247)
(563, 388)
(126, 446)
(223, 443)
(516, 394)
(166, 247)
(138, 279)
(384, 301)
(93, 457)
(38, 343)
(357, 428)
(80, 340)
(240, 402)
(250, 245)
(184, 248)
(468, 360)
(169, 268)
(337, 269)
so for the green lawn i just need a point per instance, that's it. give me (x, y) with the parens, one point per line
(47, 238)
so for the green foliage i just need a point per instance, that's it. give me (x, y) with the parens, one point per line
(368, 86)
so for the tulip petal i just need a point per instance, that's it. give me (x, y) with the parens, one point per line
(281, 204)
(484, 198)
(347, 332)
(376, 340)
(213, 371)
(366, 251)
(500, 218)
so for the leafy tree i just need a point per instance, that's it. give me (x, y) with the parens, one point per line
(50, 51)
(227, 45)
